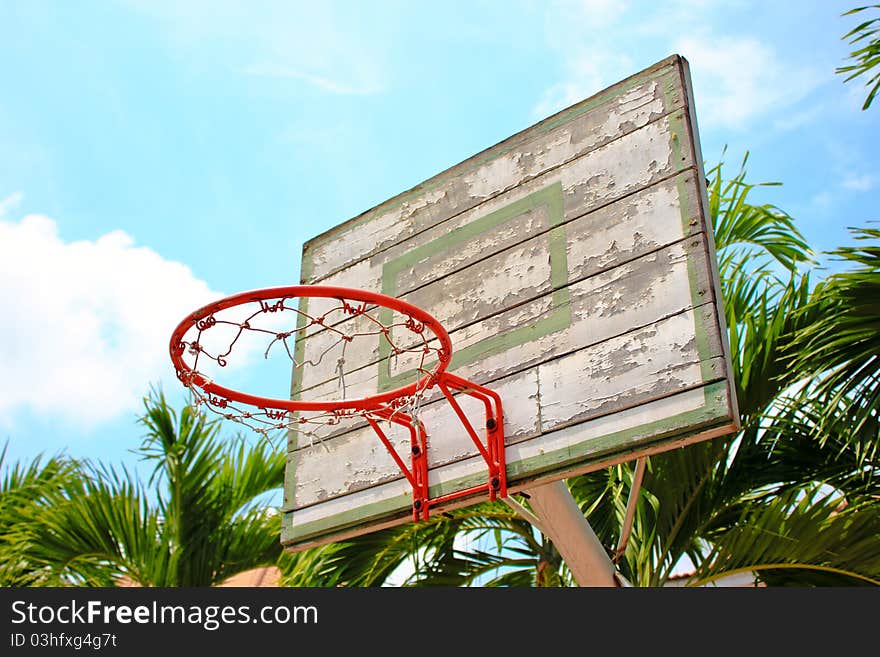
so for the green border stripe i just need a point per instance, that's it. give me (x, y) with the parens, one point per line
(591, 449)
(680, 128)
(550, 197)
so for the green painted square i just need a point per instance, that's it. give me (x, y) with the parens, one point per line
(559, 318)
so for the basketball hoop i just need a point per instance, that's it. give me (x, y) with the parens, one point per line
(346, 316)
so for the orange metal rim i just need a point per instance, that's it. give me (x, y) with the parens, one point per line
(186, 374)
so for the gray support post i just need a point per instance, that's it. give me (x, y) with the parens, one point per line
(563, 523)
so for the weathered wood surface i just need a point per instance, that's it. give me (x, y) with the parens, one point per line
(596, 309)
(600, 301)
(630, 369)
(624, 108)
(573, 450)
(459, 252)
(485, 285)
(572, 266)
(615, 171)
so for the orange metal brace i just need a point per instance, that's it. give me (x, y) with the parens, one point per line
(492, 451)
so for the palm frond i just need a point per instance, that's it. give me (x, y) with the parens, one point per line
(365, 561)
(199, 519)
(745, 230)
(839, 348)
(803, 537)
(760, 340)
(486, 545)
(809, 439)
(760, 250)
(250, 540)
(865, 58)
(244, 473)
(29, 490)
(102, 532)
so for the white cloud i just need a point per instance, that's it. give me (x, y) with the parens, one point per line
(583, 33)
(853, 98)
(797, 120)
(596, 12)
(828, 199)
(360, 87)
(859, 183)
(10, 203)
(738, 80)
(822, 201)
(336, 49)
(560, 96)
(86, 323)
(587, 72)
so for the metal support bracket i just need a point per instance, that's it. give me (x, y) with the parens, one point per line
(492, 450)
(631, 501)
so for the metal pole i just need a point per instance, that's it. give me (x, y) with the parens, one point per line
(563, 523)
(632, 500)
(525, 513)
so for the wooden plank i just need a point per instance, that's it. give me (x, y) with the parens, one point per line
(586, 184)
(635, 368)
(613, 172)
(357, 460)
(628, 370)
(656, 287)
(711, 254)
(614, 234)
(585, 127)
(597, 308)
(579, 193)
(575, 449)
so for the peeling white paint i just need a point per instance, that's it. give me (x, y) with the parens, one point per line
(631, 247)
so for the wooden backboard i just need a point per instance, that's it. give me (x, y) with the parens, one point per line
(574, 268)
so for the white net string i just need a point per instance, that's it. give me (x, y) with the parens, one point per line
(340, 325)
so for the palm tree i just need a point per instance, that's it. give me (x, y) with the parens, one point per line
(841, 353)
(27, 493)
(366, 561)
(790, 499)
(866, 57)
(202, 516)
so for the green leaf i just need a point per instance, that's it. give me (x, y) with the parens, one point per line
(864, 59)
(803, 537)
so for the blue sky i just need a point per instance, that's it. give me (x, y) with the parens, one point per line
(155, 155)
